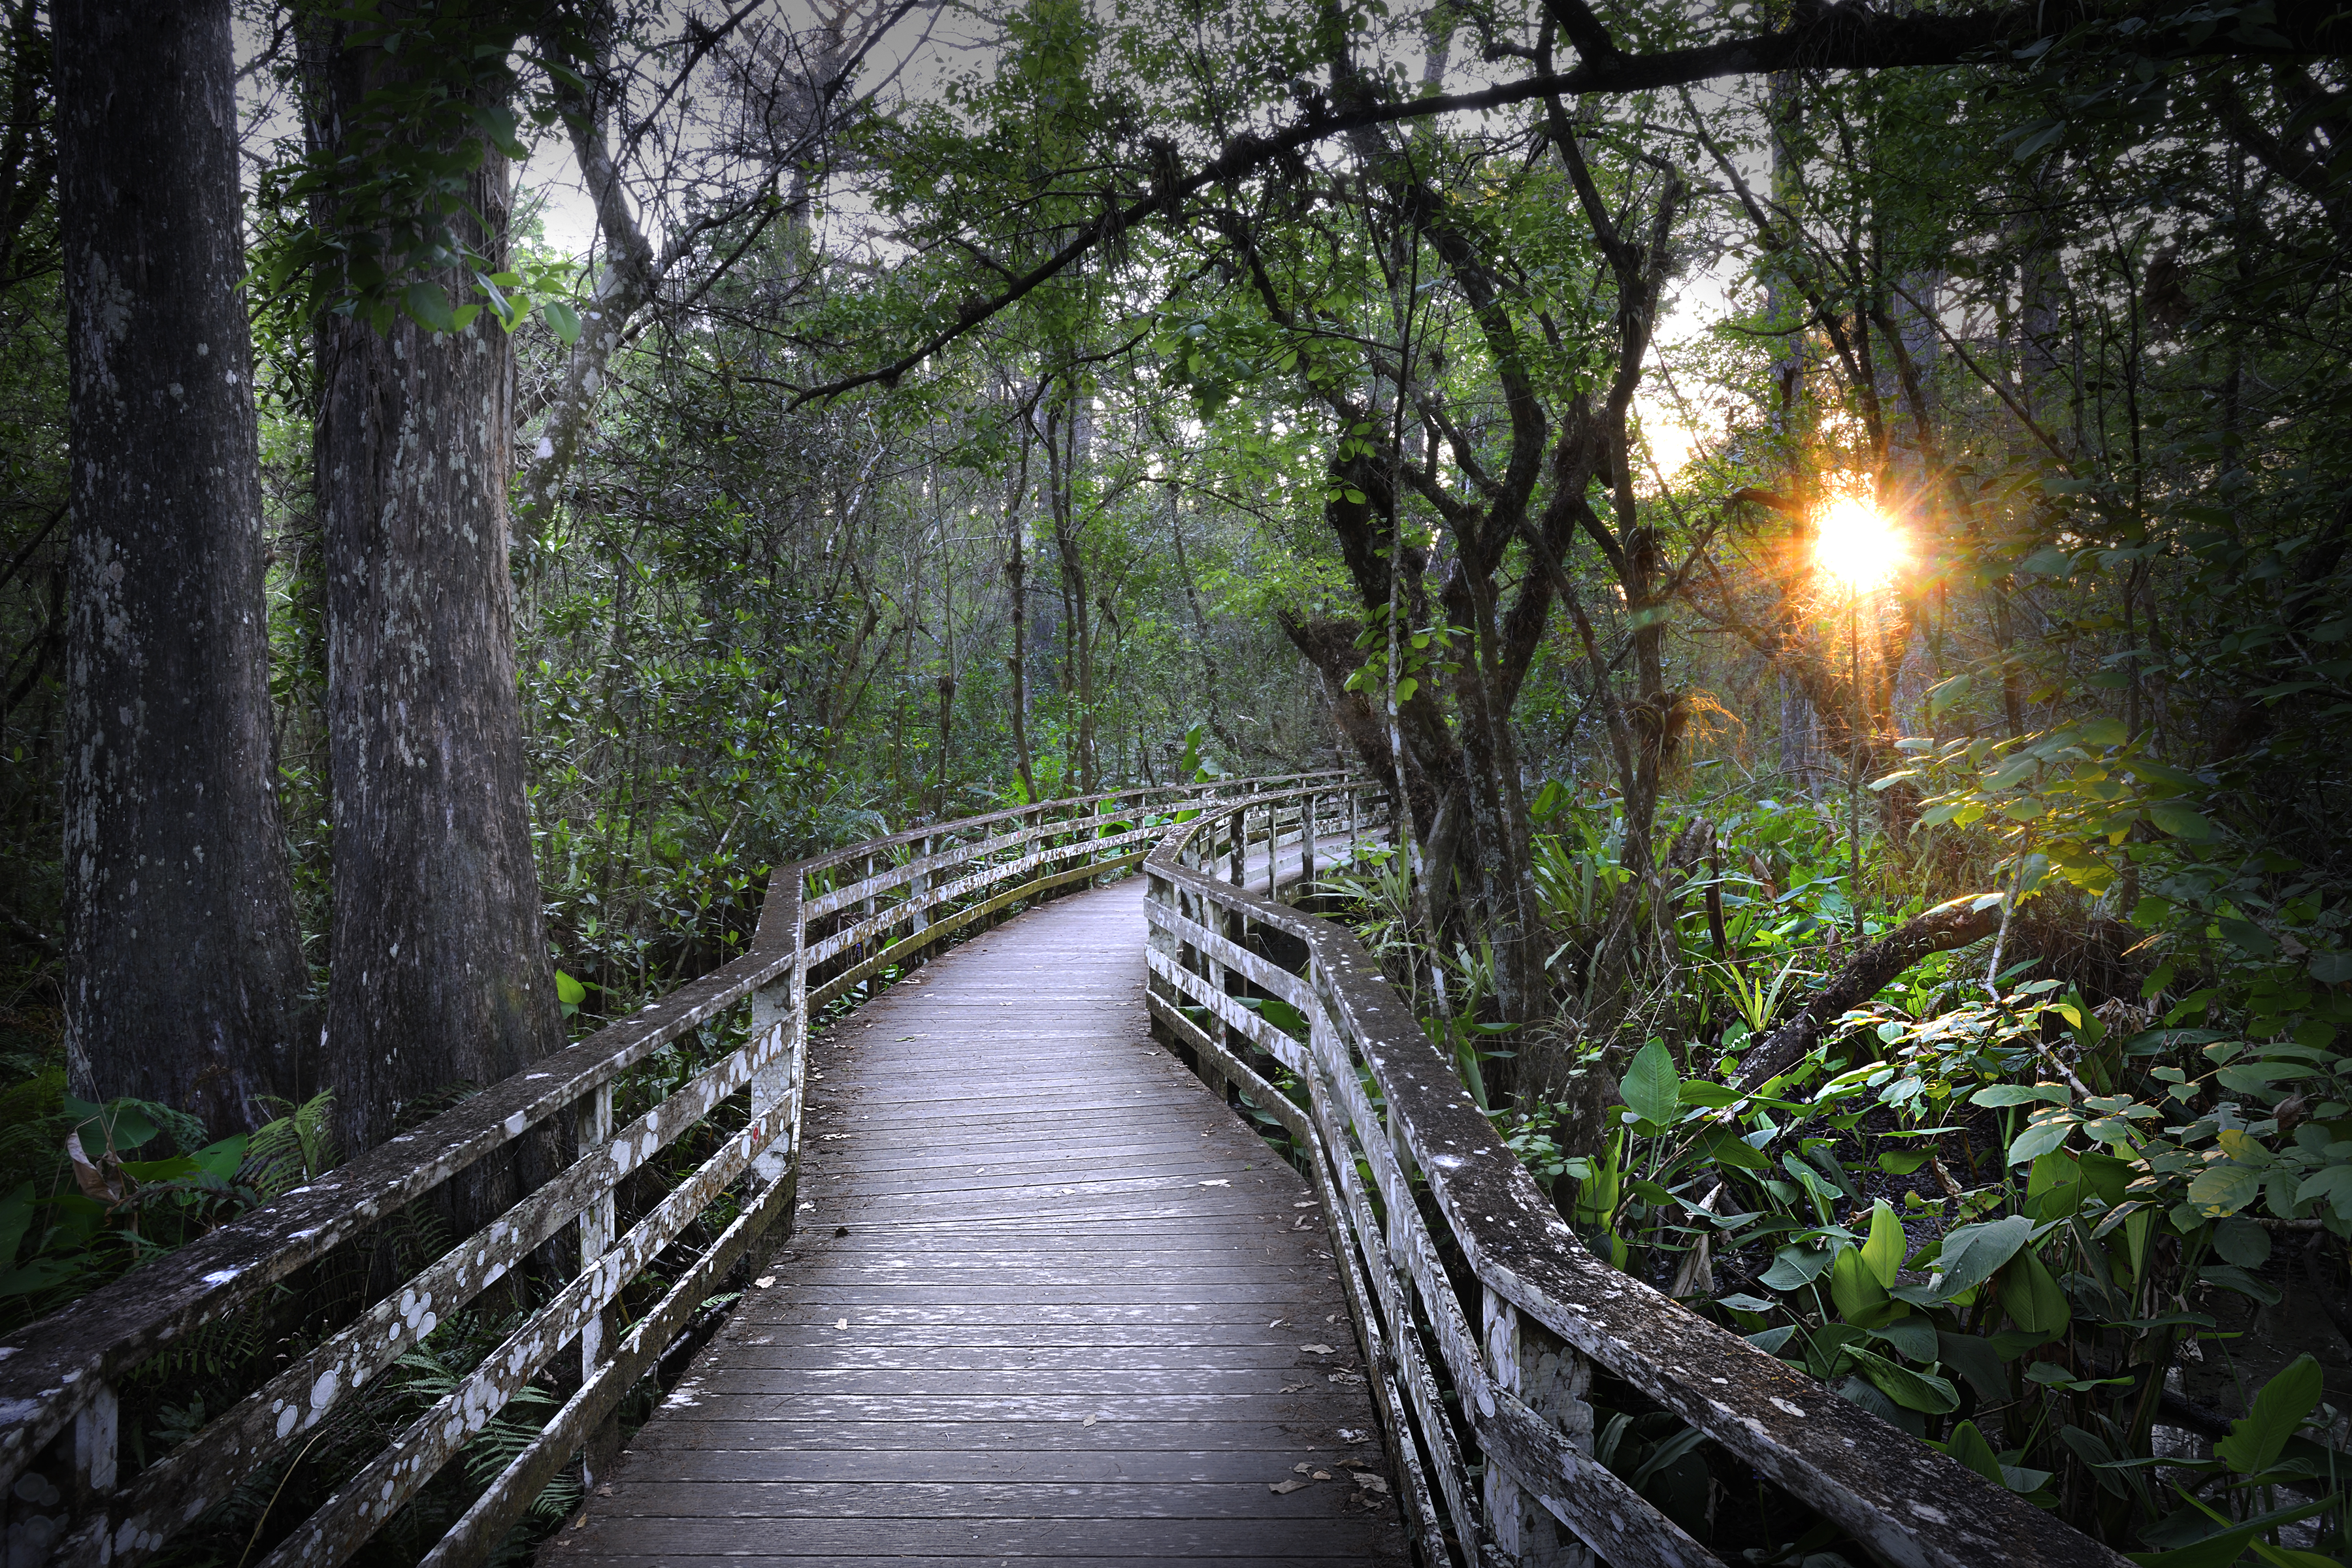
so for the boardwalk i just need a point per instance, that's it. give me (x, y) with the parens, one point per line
(1046, 1299)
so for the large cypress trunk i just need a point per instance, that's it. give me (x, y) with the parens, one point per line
(441, 970)
(185, 978)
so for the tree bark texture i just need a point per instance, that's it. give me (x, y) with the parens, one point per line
(185, 978)
(441, 969)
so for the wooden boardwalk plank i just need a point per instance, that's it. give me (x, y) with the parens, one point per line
(1081, 1314)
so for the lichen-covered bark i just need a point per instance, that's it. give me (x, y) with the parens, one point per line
(185, 980)
(441, 972)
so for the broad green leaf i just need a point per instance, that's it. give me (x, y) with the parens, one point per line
(2242, 1242)
(568, 991)
(1794, 1266)
(1653, 1090)
(563, 320)
(2219, 1551)
(2332, 1182)
(2286, 1401)
(2223, 1188)
(1974, 1358)
(428, 306)
(1858, 1297)
(2181, 822)
(2047, 1132)
(1968, 1446)
(1971, 1253)
(1883, 1253)
(2104, 732)
(2022, 1094)
(1912, 1334)
(2032, 1295)
(1919, 1391)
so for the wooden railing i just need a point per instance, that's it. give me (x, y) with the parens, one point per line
(1518, 1357)
(828, 926)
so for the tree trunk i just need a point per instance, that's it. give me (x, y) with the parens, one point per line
(185, 982)
(441, 969)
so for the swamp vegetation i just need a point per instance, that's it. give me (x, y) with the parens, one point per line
(1830, 523)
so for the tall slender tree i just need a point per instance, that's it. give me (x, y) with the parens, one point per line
(185, 977)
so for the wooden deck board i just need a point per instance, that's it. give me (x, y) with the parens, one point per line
(1078, 1295)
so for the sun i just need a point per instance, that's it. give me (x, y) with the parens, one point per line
(1857, 543)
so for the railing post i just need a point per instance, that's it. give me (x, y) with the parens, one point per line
(1239, 847)
(918, 887)
(1307, 840)
(598, 1222)
(1525, 1359)
(873, 942)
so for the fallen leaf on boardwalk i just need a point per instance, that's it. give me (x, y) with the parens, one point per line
(1292, 1387)
(764, 1281)
(1281, 1488)
(1304, 1206)
(1089, 1420)
(1347, 1378)
(1322, 1475)
(1372, 1483)
(1356, 1464)
(1219, 1182)
(604, 1490)
(841, 1323)
(1301, 1468)
(1317, 1350)
(1277, 1322)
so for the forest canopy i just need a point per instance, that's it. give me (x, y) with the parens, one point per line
(1829, 522)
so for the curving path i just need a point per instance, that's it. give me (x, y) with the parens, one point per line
(1046, 1301)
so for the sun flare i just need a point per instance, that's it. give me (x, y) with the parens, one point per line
(1857, 543)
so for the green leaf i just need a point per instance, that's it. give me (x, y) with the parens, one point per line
(1405, 690)
(1968, 1446)
(2032, 1295)
(1914, 1335)
(2286, 1401)
(2242, 1242)
(2221, 1550)
(1652, 1088)
(1911, 1390)
(1794, 1266)
(563, 320)
(1859, 1297)
(1975, 1359)
(2045, 1133)
(2104, 732)
(1883, 1253)
(2022, 1094)
(427, 304)
(2333, 1183)
(2223, 1188)
(2181, 822)
(1971, 1253)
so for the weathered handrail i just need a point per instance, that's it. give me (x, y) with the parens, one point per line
(1379, 1092)
(822, 932)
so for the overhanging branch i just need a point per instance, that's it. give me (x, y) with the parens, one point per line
(1840, 37)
